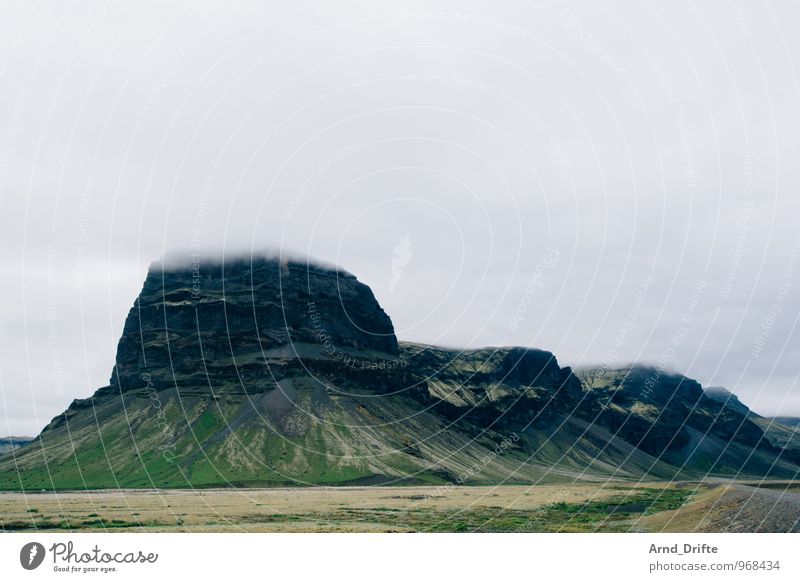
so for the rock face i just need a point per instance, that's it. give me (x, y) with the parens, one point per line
(263, 372)
(229, 322)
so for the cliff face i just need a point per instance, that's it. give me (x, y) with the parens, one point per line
(240, 322)
(260, 372)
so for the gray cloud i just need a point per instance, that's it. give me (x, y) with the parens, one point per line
(540, 161)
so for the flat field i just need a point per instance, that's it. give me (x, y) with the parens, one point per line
(585, 507)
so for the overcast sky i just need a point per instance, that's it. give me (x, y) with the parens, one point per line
(611, 181)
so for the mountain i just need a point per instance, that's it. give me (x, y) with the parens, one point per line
(671, 417)
(781, 432)
(13, 442)
(791, 421)
(261, 372)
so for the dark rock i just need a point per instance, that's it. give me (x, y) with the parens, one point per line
(228, 322)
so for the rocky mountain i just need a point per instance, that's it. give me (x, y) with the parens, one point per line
(781, 432)
(258, 372)
(673, 418)
(13, 442)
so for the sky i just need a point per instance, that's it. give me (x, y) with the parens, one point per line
(614, 182)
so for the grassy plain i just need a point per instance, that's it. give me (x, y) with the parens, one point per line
(548, 508)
